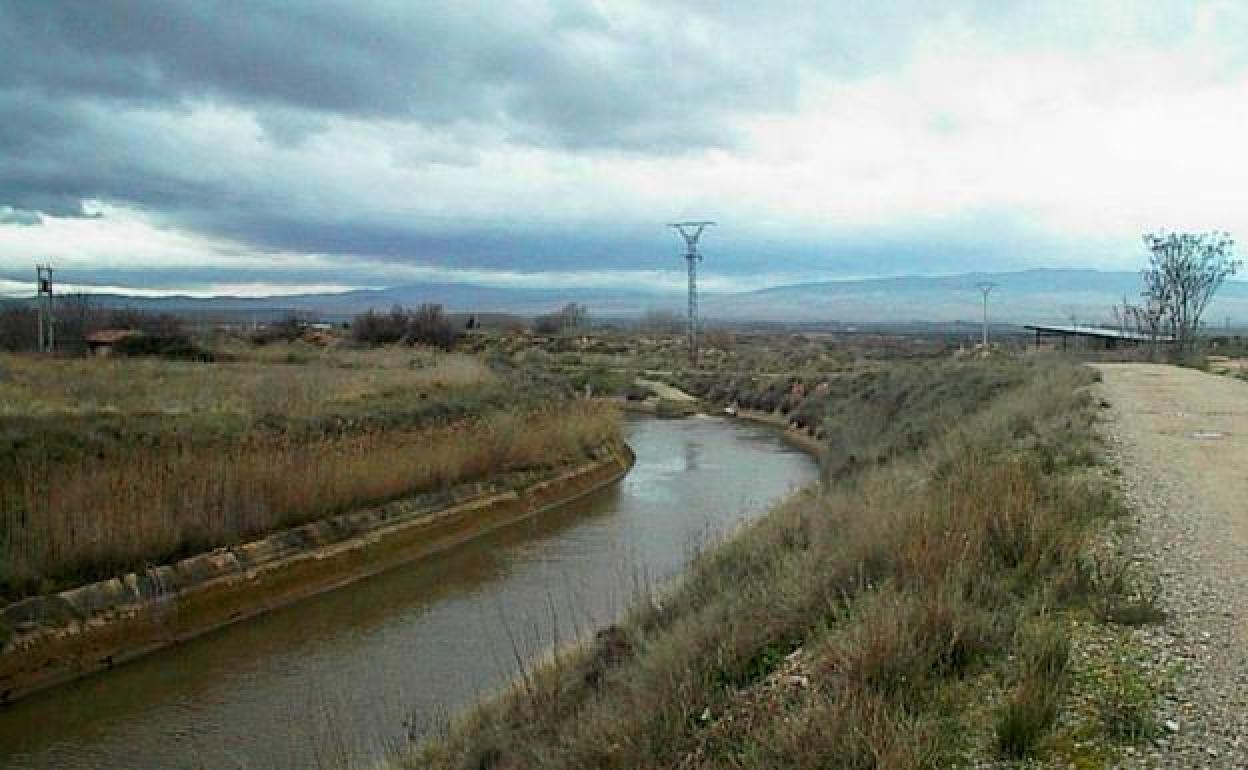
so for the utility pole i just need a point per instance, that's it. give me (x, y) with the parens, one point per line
(986, 287)
(46, 308)
(691, 231)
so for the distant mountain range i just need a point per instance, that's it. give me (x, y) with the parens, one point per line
(1028, 296)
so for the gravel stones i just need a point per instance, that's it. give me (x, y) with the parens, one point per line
(1189, 499)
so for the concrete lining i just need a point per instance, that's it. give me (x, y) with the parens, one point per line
(56, 638)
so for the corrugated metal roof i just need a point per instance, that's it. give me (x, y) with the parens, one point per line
(1098, 331)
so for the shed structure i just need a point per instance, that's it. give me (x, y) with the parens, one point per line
(1097, 337)
(101, 343)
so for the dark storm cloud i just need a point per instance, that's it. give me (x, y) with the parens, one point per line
(113, 100)
(84, 88)
(562, 76)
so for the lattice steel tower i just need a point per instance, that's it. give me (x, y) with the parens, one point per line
(691, 232)
(986, 288)
(47, 308)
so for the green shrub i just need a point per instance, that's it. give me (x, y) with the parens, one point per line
(1127, 703)
(1027, 717)
(174, 346)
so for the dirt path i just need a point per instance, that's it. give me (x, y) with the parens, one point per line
(663, 390)
(1181, 437)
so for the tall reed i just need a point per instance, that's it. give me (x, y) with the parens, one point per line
(86, 518)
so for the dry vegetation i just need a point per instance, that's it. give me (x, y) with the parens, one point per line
(108, 466)
(926, 603)
(291, 379)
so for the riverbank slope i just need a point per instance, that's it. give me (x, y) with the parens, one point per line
(920, 612)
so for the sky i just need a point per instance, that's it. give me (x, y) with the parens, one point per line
(279, 147)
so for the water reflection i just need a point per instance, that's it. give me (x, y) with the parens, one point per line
(368, 664)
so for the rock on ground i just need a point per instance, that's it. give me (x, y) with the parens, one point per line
(1181, 440)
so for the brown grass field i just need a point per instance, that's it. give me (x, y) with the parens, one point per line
(112, 465)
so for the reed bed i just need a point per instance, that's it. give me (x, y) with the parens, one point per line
(64, 522)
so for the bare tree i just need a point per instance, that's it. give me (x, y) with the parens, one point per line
(1146, 320)
(426, 325)
(1185, 271)
(570, 317)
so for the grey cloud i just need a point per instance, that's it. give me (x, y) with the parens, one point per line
(556, 75)
(85, 88)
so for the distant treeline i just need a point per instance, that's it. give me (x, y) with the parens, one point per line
(76, 319)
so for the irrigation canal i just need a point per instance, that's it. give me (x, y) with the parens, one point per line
(348, 673)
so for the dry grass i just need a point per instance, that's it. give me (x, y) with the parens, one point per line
(909, 588)
(108, 465)
(321, 380)
(84, 519)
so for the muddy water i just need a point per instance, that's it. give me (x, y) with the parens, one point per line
(347, 674)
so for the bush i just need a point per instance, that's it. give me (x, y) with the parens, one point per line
(1117, 597)
(1127, 704)
(1027, 717)
(176, 346)
(426, 325)
(570, 316)
(1032, 707)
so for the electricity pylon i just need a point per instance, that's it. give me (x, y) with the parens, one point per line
(47, 308)
(986, 287)
(691, 232)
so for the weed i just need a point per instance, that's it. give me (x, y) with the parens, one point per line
(1028, 715)
(1118, 597)
(1127, 702)
(1031, 707)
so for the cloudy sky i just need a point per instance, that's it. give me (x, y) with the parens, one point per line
(322, 144)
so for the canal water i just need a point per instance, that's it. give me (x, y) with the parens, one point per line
(367, 667)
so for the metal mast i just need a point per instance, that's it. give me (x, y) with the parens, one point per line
(47, 314)
(691, 231)
(986, 287)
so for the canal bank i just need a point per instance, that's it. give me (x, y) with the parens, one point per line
(57, 638)
(388, 657)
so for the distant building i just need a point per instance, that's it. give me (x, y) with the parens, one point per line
(101, 343)
(1094, 337)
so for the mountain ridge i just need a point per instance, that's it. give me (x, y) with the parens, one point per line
(1037, 295)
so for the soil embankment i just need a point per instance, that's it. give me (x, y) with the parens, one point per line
(670, 401)
(51, 639)
(1181, 437)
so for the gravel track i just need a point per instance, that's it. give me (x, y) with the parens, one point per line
(1181, 441)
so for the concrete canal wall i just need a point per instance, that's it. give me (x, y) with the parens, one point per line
(46, 640)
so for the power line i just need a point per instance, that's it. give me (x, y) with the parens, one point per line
(691, 232)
